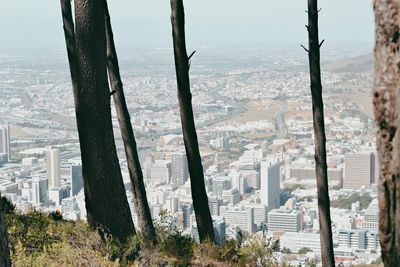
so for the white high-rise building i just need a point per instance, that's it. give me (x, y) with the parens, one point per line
(53, 167)
(5, 141)
(39, 189)
(270, 184)
(179, 168)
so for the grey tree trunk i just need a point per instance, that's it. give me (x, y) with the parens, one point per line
(4, 250)
(199, 195)
(106, 203)
(135, 171)
(386, 109)
(319, 136)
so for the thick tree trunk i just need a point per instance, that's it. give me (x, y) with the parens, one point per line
(199, 195)
(4, 250)
(386, 108)
(135, 171)
(106, 203)
(319, 136)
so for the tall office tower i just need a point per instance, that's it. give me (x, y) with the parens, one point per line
(161, 172)
(5, 141)
(284, 220)
(270, 184)
(220, 184)
(149, 162)
(40, 189)
(219, 229)
(53, 167)
(360, 170)
(76, 179)
(179, 168)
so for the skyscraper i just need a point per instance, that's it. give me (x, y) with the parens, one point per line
(53, 167)
(219, 229)
(179, 168)
(270, 184)
(76, 179)
(39, 189)
(149, 162)
(360, 170)
(5, 141)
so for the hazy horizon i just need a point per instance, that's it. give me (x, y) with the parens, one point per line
(143, 24)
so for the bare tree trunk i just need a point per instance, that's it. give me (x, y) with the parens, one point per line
(386, 108)
(319, 136)
(135, 171)
(106, 203)
(4, 250)
(199, 195)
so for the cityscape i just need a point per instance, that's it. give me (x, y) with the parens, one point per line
(253, 114)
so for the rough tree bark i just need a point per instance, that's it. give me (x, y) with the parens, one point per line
(319, 136)
(4, 250)
(386, 109)
(135, 171)
(199, 195)
(106, 203)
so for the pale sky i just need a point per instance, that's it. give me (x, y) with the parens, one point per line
(37, 23)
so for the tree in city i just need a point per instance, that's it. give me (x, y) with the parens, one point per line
(386, 109)
(304, 250)
(106, 202)
(135, 171)
(319, 136)
(4, 250)
(199, 195)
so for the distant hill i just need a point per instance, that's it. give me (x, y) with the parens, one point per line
(356, 64)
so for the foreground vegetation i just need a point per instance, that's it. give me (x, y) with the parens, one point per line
(39, 239)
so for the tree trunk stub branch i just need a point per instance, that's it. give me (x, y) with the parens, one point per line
(199, 195)
(135, 171)
(320, 138)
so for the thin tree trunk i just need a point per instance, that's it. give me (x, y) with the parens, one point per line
(386, 109)
(4, 250)
(319, 136)
(106, 203)
(135, 171)
(199, 195)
